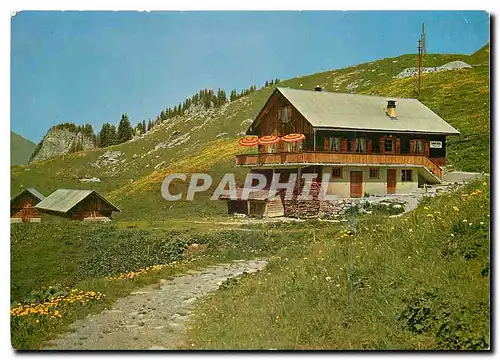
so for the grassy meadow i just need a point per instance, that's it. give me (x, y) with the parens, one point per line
(62, 272)
(416, 282)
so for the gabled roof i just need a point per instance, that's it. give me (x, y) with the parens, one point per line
(62, 200)
(325, 109)
(32, 191)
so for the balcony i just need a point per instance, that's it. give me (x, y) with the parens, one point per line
(307, 158)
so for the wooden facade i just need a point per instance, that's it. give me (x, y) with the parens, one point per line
(91, 207)
(328, 158)
(259, 204)
(374, 143)
(270, 122)
(256, 208)
(22, 208)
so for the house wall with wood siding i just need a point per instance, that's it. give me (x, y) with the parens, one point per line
(374, 143)
(270, 123)
(23, 207)
(92, 206)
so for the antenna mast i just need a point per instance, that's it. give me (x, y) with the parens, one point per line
(420, 61)
(424, 45)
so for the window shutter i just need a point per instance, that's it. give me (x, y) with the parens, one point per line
(398, 146)
(412, 146)
(382, 145)
(369, 146)
(353, 145)
(427, 148)
(343, 145)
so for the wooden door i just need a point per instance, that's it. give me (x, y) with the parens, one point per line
(356, 184)
(391, 181)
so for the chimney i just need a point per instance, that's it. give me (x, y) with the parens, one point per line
(318, 88)
(391, 108)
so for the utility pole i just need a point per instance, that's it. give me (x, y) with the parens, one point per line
(421, 51)
(424, 45)
(420, 63)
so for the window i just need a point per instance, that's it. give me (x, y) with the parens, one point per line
(332, 144)
(336, 144)
(286, 114)
(271, 148)
(360, 145)
(418, 147)
(374, 173)
(337, 173)
(406, 175)
(388, 145)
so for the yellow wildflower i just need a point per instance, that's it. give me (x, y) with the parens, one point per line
(456, 208)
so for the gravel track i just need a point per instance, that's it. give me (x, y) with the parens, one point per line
(151, 318)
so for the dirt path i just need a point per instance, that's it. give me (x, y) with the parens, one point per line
(153, 317)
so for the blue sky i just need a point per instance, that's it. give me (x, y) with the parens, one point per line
(92, 66)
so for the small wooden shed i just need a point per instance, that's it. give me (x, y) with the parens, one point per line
(259, 204)
(77, 205)
(22, 206)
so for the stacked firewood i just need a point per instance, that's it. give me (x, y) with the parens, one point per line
(303, 208)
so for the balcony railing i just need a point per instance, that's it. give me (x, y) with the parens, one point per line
(328, 158)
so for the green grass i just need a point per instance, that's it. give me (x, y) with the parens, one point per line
(402, 283)
(83, 256)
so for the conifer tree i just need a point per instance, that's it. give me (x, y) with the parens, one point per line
(139, 129)
(107, 135)
(234, 95)
(125, 131)
(112, 135)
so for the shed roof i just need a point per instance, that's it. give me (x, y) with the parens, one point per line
(32, 191)
(261, 195)
(62, 200)
(325, 109)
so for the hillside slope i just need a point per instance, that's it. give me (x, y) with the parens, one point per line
(131, 173)
(20, 149)
(416, 282)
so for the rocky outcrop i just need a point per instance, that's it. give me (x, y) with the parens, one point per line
(453, 65)
(60, 142)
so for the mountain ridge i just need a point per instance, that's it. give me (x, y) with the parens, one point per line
(20, 149)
